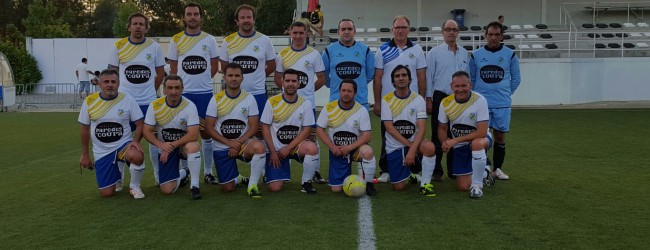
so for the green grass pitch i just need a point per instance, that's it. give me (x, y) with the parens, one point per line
(579, 179)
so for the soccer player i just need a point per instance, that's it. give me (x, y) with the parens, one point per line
(104, 118)
(442, 62)
(253, 51)
(287, 122)
(398, 51)
(231, 121)
(348, 59)
(175, 121)
(308, 64)
(193, 56)
(347, 137)
(495, 74)
(466, 111)
(140, 63)
(404, 115)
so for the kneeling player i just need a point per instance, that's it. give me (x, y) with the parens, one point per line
(231, 121)
(107, 114)
(347, 137)
(467, 113)
(404, 116)
(287, 122)
(176, 120)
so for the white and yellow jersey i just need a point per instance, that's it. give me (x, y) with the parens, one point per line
(109, 121)
(193, 54)
(287, 119)
(171, 122)
(463, 118)
(307, 62)
(232, 113)
(251, 53)
(137, 67)
(403, 112)
(344, 126)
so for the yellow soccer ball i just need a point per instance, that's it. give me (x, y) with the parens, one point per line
(354, 186)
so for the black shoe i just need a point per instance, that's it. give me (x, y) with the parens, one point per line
(370, 189)
(308, 188)
(196, 193)
(413, 179)
(437, 178)
(185, 180)
(318, 178)
(210, 179)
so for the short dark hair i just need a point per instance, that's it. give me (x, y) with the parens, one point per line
(109, 72)
(233, 66)
(349, 81)
(96, 73)
(193, 4)
(138, 14)
(318, 6)
(298, 24)
(398, 67)
(304, 14)
(290, 72)
(83, 60)
(500, 16)
(172, 77)
(494, 24)
(461, 73)
(346, 20)
(244, 7)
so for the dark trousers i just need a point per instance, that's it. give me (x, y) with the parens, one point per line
(437, 98)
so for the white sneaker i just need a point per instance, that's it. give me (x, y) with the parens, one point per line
(475, 192)
(384, 177)
(137, 193)
(501, 175)
(119, 186)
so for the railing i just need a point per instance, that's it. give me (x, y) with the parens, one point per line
(50, 95)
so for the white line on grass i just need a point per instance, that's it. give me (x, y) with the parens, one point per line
(366, 227)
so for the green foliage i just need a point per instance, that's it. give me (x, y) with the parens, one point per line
(124, 10)
(274, 16)
(104, 17)
(43, 22)
(168, 15)
(22, 63)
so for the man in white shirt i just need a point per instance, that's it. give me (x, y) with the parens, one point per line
(83, 77)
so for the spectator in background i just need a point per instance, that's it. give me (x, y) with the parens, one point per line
(83, 77)
(95, 81)
(501, 19)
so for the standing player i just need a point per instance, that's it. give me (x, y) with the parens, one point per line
(467, 113)
(348, 59)
(105, 118)
(347, 137)
(83, 76)
(404, 115)
(231, 121)
(495, 74)
(287, 122)
(175, 119)
(140, 63)
(193, 56)
(308, 64)
(398, 51)
(253, 51)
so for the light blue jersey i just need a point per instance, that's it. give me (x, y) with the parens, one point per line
(495, 74)
(355, 62)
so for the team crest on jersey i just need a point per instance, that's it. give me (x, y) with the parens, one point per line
(205, 48)
(411, 56)
(183, 121)
(356, 54)
(120, 112)
(244, 111)
(500, 59)
(472, 116)
(300, 116)
(355, 124)
(149, 57)
(256, 48)
(412, 112)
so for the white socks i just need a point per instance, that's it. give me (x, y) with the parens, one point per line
(428, 164)
(153, 156)
(206, 147)
(137, 171)
(182, 174)
(194, 164)
(479, 160)
(121, 165)
(257, 165)
(309, 167)
(369, 167)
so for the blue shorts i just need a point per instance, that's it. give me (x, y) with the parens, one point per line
(500, 119)
(462, 162)
(226, 167)
(284, 172)
(169, 171)
(143, 108)
(341, 167)
(106, 170)
(261, 102)
(396, 169)
(84, 86)
(201, 100)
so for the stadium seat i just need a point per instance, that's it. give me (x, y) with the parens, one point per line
(537, 46)
(602, 25)
(642, 25)
(384, 39)
(436, 29)
(426, 48)
(372, 39)
(524, 46)
(384, 30)
(642, 45)
(615, 25)
(614, 45)
(532, 36)
(587, 25)
(519, 36)
(411, 29)
(646, 34)
(371, 30)
(608, 35)
(475, 28)
(413, 39)
(515, 27)
(593, 35)
(463, 28)
(510, 46)
(507, 37)
(438, 38)
(465, 38)
(504, 28)
(468, 47)
(333, 40)
(373, 49)
(600, 46)
(541, 26)
(636, 34)
(333, 31)
(550, 46)
(359, 39)
(423, 29)
(425, 38)
(477, 38)
(629, 25)
(622, 35)
(546, 36)
(360, 30)
(529, 26)
(628, 45)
